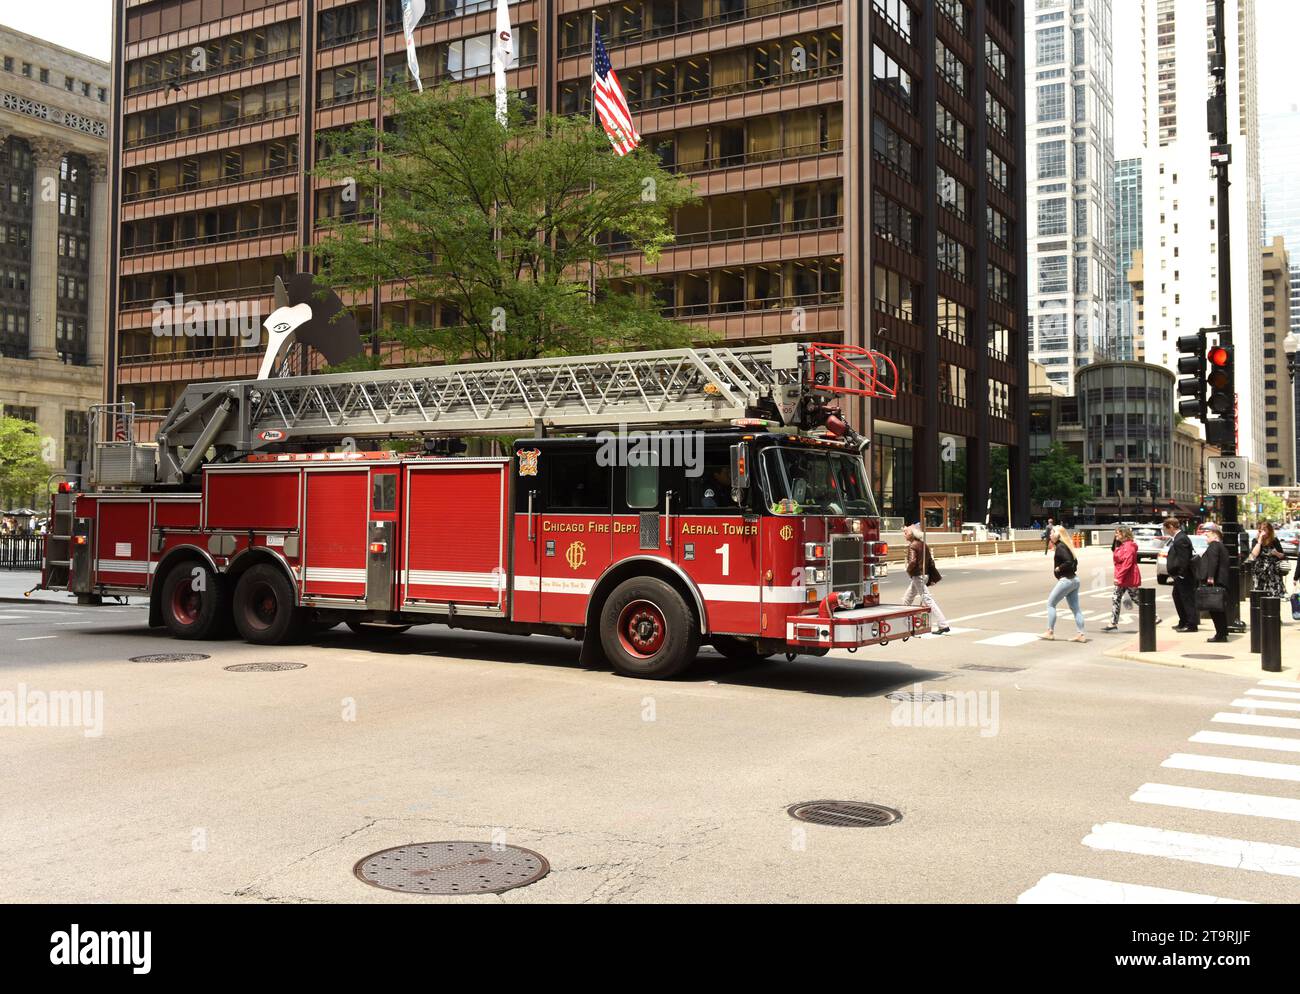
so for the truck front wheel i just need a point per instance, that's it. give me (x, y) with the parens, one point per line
(195, 603)
(266, 612)
(647, 630)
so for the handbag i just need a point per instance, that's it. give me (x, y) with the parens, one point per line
(932, 574)
(1212, 598)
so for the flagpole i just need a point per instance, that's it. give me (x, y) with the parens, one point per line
(591, 97)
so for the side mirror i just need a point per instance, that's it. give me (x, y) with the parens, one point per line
(740, 466)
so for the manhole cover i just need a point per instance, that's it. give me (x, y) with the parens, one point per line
(1203, 655)
(912, 697)
(992, 669)
(263, 667)
(452, 868)
(171, 657)
(844, 814)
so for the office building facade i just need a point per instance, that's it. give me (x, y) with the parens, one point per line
(1279, 151)
(1279, 391)
(54, 111)
(1125, 241)
(768, 107)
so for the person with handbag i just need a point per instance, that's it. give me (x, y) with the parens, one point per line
(1266, 560)
(1180, 564)
(1065, 567)
(1212, 595)
(922, 574)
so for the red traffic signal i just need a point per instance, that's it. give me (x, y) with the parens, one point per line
(1219, 379)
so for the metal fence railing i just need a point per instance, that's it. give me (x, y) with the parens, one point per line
(20, 551)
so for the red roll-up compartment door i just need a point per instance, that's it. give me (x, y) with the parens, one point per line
(454, 534)
(336, 533)
(122, 543)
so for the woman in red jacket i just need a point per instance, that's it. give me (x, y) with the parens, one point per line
(1128, 578)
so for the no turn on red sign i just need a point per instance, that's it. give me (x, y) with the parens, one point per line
(1227, 475)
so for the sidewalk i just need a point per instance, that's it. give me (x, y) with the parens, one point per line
(1233, 658)
(14, 583)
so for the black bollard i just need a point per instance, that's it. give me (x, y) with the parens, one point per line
(1146, 620)
(1254, 620)
(1270, 634)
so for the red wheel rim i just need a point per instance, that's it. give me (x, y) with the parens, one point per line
(262, 605)
(642, 629)
(186, 604)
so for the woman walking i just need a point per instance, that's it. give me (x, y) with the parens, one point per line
(921, 573)
(1065, 567)
(1268, 563)
(1128, 577)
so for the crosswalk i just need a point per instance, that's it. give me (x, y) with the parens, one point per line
(1246, 791)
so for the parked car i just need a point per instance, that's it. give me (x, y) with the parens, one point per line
(1149, 542)
(1290, 540)
(1199, 545)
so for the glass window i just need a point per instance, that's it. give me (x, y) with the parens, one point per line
(642, 486)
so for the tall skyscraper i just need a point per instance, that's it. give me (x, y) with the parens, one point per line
(1279, 153)
(1126, 240)
(1180, 209)
(1070, 186)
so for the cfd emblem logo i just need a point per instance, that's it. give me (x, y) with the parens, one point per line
(528, 461)
(576, 555)
(787, 532)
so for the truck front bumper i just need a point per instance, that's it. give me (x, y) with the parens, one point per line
(860, 626)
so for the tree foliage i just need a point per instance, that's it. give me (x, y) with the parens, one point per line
(23, 471)
(1058, 476)
(1263, 505)
(501, 225)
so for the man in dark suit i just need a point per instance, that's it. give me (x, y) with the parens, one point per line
(1214, 573)
(1178, 561)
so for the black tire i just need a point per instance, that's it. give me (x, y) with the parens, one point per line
(265, 607)
(195, 605)
(647, 629)
(738, 650)
(363, 628)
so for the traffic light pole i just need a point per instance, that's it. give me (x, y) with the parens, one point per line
(1221, 156)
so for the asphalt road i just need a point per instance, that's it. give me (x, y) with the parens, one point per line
(1063, 774)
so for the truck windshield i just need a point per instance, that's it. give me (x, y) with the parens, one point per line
(814, 481)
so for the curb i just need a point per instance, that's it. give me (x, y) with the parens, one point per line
(1247, 668)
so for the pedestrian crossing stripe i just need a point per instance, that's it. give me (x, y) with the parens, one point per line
(1273, 693)
(1237, 767)
(1065, 888)
(1262, 702)
(1225, 802)
(1275, 742)
(953, 630)
(1267, 720)
(1189, 847)
(1009, 639)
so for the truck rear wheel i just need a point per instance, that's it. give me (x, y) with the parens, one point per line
(647, 630)
(266, 612)
(195, 602)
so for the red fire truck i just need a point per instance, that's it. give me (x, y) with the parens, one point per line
(661, 500)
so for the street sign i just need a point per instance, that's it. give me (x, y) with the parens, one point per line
(1226, 475)
(1051, 503)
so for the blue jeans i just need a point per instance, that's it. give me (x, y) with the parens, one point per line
(1067, 587)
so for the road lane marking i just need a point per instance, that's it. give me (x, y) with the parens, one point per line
(1274, 693)
(1274, 742)
(1212, 850)
(1010, 639)
(1261, 702)
(1007, 583)
(1279, 683)
(1237, 767)
(1224, 802)
(1267, 720)
(1065, 888)
(36, 638)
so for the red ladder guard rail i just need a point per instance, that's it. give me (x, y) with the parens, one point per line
(849, 374)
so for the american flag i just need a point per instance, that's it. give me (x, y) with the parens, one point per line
(611, 105)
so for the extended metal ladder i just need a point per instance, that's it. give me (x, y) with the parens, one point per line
(670, 387)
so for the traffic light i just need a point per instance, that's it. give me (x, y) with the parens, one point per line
(1221, 426)
(1191, 368)
(1219, 378)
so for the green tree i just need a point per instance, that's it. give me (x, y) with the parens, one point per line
(22, 470)
(1058, 476)
(500, 226)
(1263, 505)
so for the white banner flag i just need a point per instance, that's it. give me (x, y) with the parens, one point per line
(412, 11)
(503, 53)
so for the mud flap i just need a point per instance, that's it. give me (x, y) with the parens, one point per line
(592, 656)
